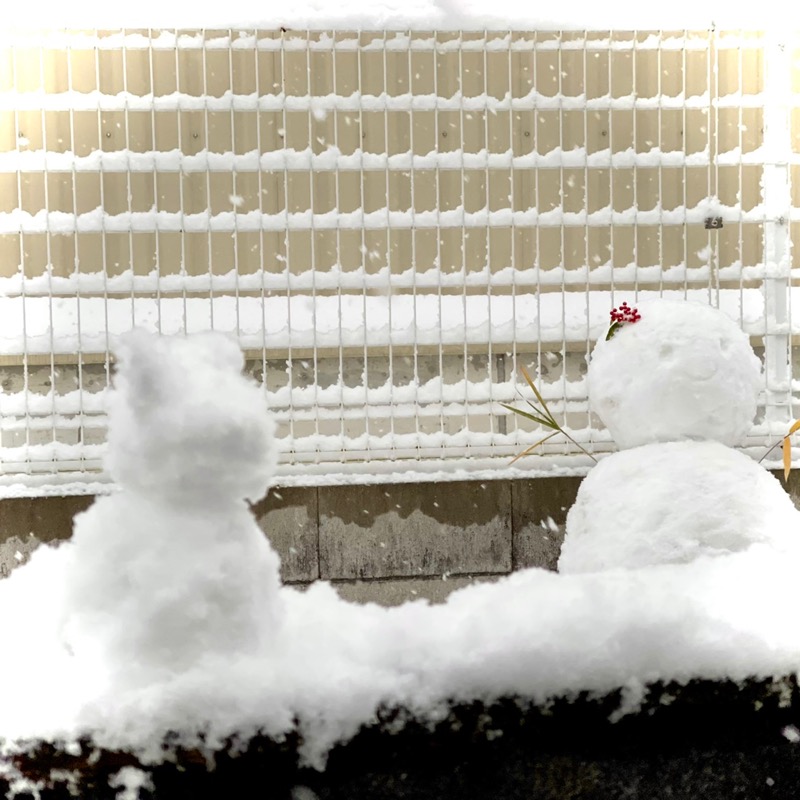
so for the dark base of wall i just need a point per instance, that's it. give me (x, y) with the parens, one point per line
(709, 740)
(384, 543)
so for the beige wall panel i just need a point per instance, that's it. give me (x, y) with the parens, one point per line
(399, 190)
(8, 131)
(34, 254)
(599, 189)
(298, 251)
(216, 195)
(673, 187)
(698, 186)
(151, 251)
(111, 74)
(197, 192)
(62, 255)
(167, 186)
(598, 246)
(10, 255)
(574, 248)
(9, 196)
(423, 132)
(622, 75)
(647, 188)
(473, 131)
(698, 67)
(497, 74)
(670, 134)
(117, 248)
(247, 250)
(115, 192)
(548, 249)
(622, 246)
(32, 192)
(621, 133)
(6, 69)
(473, 76)
(222, 254)
(500, 247)
(475, 251)
(449, 182)
(137, 65)
(196, 253)
(347, 132)
(142, 191)
(350, 257)
(247, 191)
(697, 244)
(673, 246)
(547, 72)
(57, 133)
(475, 190)
(86, 127)
(27, 69)
(753, 243)
(499, 189)
(29, 130)
(294, 74)
(55, 70)
(83, 70)
(448, 73)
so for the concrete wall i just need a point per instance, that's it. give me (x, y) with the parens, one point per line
(382, 543)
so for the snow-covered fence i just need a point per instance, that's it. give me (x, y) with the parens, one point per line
(391, 224)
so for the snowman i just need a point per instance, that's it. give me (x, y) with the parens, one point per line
(173, 569)
(676, 383)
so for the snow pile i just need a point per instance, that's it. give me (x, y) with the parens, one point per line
(164, 612)
(672, 503)
(683, 371)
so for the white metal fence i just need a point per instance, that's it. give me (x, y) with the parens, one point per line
(390, 224)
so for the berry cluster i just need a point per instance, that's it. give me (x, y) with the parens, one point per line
(625, 314)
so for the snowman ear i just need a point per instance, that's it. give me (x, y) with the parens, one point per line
(141, 379)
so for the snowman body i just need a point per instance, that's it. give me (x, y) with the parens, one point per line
(677, 389)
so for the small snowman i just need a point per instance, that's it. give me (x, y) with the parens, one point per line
(676, 383)
(173, 569)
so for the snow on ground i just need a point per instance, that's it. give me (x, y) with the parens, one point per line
(164, 612)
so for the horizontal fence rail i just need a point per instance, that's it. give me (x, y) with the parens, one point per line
(392, 225)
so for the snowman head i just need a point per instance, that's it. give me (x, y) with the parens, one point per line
(682, 371)
(186, 424)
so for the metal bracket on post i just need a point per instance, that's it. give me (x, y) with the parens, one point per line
(713, 223)
(777, 147)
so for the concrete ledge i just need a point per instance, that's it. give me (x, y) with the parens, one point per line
(290, 520)
(414, 530)
(394, 592)
(382, 543)
(539, 517)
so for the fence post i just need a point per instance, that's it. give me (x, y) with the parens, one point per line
(777, 149)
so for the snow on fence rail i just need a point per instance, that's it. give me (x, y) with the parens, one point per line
(391, 224)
